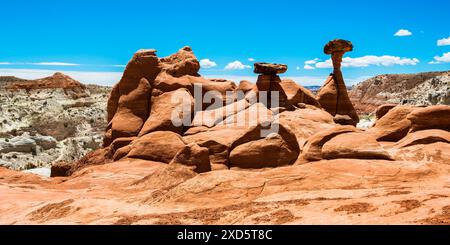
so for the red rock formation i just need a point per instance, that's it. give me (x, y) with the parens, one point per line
(306, 165)
(160, 146)
(333, 96)
(383, 109)
(57, 80)
(394, 125)
(435, 117)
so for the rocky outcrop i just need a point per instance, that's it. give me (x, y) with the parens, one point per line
(383, 109)
(57, 80)
(160, 146)
(194, 157)
(354, 145)
(240, 159)
(428, 88)
(166, 108)
(333, 96)
(49, 120)
(436, 117)
(394, 125)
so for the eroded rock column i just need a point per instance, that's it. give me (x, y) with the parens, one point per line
(333, 95)
(269, 81)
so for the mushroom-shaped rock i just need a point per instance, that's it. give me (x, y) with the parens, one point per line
(270, 69)
(338, 45)
(333, 95)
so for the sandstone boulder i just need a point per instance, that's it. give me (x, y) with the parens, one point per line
(169, 112)
(272, 151)
(298, 94)
(122, 152)
(181, 63)
(354, 145)
(422, 137)
(251, 116)
(195, 157)
(306, 122)
(144, 64)
(218, 141)
(383, 109)
(166, 83)
(394, 125)
(132, 111)
(97, 157)
(343, 120)
(246, 86)
(312, 150)
(433, 117)
(160, 146)
(211, 118)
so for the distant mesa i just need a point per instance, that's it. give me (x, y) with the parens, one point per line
(57, 80)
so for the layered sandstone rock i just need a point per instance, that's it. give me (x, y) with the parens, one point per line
(394, 125)
(333, 96)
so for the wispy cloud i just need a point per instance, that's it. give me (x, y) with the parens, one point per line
(207, 63)
(445, 58)
(309, 64)
(236, 65)
(53, 64)
(312, 62)
(370, 60)
(403, 33)
(251, 59)
(5, 63)
(443, 42)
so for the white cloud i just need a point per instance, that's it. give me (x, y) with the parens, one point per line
(403, 33)
(53, 64)
(251, 59)
(445, 58)
(297, 68)
(312, 62)
(100, 78)
(444, 42)
(207, 63)
(237, 65)
(308, 67)
(5, 63)
(368, 60)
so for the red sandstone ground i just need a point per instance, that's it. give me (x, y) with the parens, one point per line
(326, 192)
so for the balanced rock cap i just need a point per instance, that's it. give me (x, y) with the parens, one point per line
(338, 45)
(145, 52)
(270, 69)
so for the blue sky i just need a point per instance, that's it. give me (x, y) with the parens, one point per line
(92, 40)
